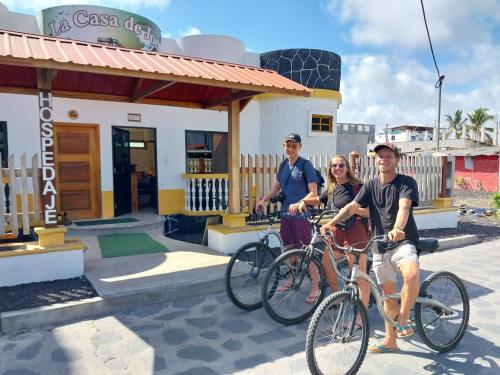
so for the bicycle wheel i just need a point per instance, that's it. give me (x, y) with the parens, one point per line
(337, 337)
(287, 285)
(442, 331)
(245, 272)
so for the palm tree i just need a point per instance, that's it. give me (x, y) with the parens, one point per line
(455, 124)
(477, 120)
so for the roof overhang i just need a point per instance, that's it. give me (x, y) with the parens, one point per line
(92, 71)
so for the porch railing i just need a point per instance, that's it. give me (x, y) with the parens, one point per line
(206, 192)
(14, 183)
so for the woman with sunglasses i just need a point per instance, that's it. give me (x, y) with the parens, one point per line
(342, 187)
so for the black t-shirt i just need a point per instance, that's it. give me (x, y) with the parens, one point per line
(342, 195)
(383, 203)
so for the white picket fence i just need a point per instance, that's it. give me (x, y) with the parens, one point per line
(258, 173)
(18, 179)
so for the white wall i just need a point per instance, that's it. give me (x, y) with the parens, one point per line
(18, 21)
(20, 112)
(280, 117)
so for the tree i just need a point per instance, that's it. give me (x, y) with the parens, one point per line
(477, 120)
(455, 124)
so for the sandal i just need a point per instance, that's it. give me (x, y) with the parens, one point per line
(313, 297)
(357, 326)
(400, 331)
(286, 287)
(380, 349)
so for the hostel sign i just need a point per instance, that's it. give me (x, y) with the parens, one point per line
(48, 166)
(101, 25)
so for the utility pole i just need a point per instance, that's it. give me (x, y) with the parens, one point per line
(439, 84)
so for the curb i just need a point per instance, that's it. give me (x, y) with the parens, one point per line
(12, 322)
(459, 241)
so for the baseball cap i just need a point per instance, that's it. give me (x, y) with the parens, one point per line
(388, 145)
(294, 137)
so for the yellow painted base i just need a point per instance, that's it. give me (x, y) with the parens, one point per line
(171, 201)
(31, 248)
(51, 236)
(442, 203)
(108, 204)
(234, 220)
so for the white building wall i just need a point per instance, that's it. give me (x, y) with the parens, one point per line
(17, 21)
(282, 116)
(20, 113)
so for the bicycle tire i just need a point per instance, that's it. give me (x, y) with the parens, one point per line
(251, 279)
(289, 306)
(330, 319)
(428, 331)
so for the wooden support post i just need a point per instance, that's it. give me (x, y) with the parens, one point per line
(234, 156)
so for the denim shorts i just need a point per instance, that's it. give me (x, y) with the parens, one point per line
(386, 266)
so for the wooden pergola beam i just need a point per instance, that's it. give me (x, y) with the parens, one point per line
(154, 87)
(235, 96)
(45, 77)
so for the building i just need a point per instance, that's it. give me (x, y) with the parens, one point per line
(405, 133)
(129, 135)
(354, 137)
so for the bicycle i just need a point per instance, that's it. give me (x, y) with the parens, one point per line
(337, 336)
(246, 266)
(288, 282)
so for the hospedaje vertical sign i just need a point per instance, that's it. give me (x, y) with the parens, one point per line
(101, 25)
(47, 161)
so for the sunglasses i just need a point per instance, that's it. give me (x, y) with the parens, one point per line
(340, 165)
(292, 145)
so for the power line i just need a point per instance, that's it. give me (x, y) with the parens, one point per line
(439, 82)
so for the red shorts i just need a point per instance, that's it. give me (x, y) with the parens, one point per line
(295, 232)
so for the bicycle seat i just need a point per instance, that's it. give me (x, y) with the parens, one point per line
(427, 245)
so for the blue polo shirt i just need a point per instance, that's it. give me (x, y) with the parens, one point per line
(301, 173)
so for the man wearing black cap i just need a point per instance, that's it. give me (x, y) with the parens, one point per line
(391, 198)
(296, 178)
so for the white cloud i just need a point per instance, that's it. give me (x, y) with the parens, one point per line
(37, 5)
(383, 89)
(400, 24)
(191, 30)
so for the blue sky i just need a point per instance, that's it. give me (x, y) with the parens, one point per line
(388, 75)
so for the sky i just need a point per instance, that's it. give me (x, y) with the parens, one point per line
(388, 75)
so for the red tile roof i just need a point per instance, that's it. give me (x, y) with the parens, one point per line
(94, 68)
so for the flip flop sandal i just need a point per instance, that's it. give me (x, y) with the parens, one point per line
(400, 331)
(380, 349)
(312, 298)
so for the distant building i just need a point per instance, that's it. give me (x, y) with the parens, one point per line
(405, 133)
(354, 137)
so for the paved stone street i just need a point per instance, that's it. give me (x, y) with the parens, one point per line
(209, 335)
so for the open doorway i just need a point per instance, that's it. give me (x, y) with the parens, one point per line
(134, 170)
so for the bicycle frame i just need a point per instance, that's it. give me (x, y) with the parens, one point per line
(379, 298)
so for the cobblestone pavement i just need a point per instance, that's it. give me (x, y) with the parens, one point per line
(209, 336)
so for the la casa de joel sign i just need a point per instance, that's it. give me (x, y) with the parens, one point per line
(101, 25)
(48, 166)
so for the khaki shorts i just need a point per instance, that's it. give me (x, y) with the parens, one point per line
(386, 266)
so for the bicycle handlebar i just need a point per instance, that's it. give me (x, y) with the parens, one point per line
(350, 249)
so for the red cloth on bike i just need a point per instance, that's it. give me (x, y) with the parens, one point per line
(356, 235)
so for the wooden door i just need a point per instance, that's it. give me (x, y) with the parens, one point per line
(76, 150)
(122, 170)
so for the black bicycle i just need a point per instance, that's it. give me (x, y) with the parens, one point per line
(288, 282)
(249, 264)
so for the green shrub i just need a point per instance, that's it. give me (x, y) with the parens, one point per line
(496, 199)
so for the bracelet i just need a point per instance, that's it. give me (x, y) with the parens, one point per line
(401, 229)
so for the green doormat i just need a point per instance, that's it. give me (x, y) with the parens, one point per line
(120, 245)
(105, 221)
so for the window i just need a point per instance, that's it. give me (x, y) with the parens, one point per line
(4, 146)
(393, 137)
(322, 123)
(206, 152)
